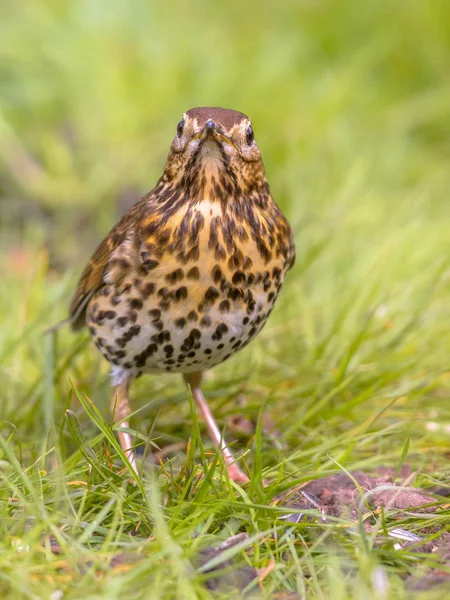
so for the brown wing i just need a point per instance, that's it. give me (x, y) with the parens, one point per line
(106, 261)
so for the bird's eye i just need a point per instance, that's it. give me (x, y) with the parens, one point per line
(250, 136)
(180, 127)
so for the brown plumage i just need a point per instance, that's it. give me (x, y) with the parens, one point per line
(191, 272)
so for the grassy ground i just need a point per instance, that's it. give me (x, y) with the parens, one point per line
(350, 107)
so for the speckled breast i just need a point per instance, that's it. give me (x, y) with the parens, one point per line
(188, 315)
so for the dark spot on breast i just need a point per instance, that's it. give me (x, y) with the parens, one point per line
(155, 314)
(126, 337)
(198, 222)
(151, 349)
(151, 228)
(247, 263)
(208, 351)
(140, 360)
(134, 330)
(220, 331)
(224, 286)
(120, 353)
(266, 280)
(250, 279)
(120, 263)
(187, 344)
(263, 250)
(181, 293)
(122, 321)
(132, 316)
(213, 238)
(135, 303)
(161, 338)
(245, 320)
(211, 295)
(180, 323)
(181, 257)
(276, 273)
(251, 305)
(217, 191)
(271, 296)
(150, 264)
(205, 321)
(147, 290)
(238, 277)
(235, 260)
(219, 253)
(191, 354)
(163, 237)
(216, 273)
(224, 306)
(168, 349)
(99, 317)
(175, 276)
(105, 291)
(193, 253)
(164, 304)
(235, 294)
(243, 235)
(192, 316)
(164, 292)
(115, 300)
(193, 273)
(220, 346)
(158, 325)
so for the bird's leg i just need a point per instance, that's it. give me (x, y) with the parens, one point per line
(121, 410)
(234, 472)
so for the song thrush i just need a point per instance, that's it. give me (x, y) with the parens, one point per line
(191, 272)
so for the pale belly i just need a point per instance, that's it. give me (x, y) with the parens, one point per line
(188, 326)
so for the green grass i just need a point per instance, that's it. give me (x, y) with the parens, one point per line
(349, 103)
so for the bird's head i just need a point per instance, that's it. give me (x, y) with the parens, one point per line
(214, 150)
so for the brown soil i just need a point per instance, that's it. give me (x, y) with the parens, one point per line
(338, 496)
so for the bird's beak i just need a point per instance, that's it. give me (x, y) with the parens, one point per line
(209, 129)
(211, 132)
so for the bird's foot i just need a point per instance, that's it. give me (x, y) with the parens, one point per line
(235, 474)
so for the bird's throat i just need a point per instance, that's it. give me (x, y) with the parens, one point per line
(211, 160)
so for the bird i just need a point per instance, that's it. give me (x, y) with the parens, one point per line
(191, 272)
